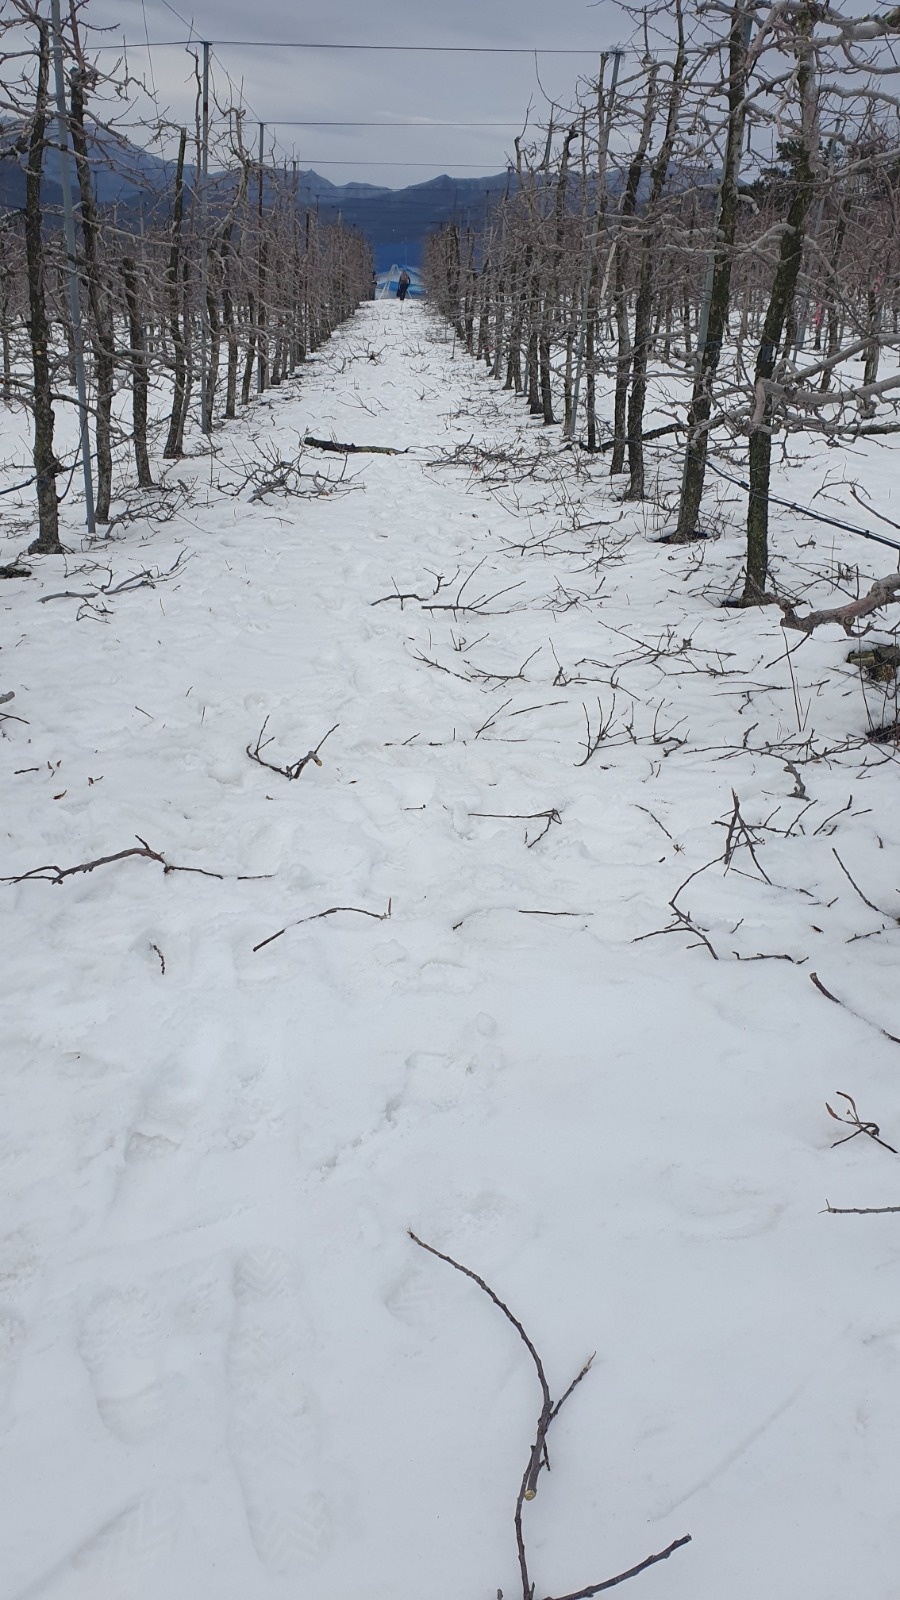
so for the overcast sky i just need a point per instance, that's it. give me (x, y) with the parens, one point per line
(283, 85)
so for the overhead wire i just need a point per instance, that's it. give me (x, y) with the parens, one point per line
(317, 44)
(423, 49)
(349, 161)
(194, 39)
(325, 122)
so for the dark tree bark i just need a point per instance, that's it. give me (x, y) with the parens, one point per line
(551, 296)
(137, 339)
(262, 265)
(644, 304)
(590, 346)
(101, 323)
(620, 294)
(723, 256)
(175, 436)
(247, 378)
(6, 388)
(46, 465)
(780, 301)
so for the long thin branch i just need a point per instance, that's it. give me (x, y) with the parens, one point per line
(622, 1577)
(356, 911)
(814, 978)
(54, 874)
(538, 1458)
(864, 898)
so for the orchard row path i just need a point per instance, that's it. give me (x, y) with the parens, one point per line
(225, 1368)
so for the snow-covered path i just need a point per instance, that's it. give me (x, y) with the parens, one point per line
(225, 1369)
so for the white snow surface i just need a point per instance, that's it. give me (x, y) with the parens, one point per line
(225, 1368)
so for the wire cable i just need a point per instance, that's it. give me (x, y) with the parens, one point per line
(423, 49)
(804, 511)
(290, 122)
(348, 161)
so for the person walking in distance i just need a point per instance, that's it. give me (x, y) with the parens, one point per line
(403, 285)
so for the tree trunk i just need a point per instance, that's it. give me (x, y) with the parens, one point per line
(102, 336)
(723, 253)
(590, 398)
(262, 340)
(6, 390)
(534, 390)
(139, 372)
(546, 405)
(251, 349)
(46, 465)
(644, 303)
(173, 279)
(780, 301)
(620, 294)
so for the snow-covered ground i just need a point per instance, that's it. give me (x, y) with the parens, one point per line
(225, 1368)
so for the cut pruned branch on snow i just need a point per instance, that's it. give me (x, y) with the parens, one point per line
(815, 979)
(882, 593)
(538, 1457)
(317, 916)
(355, 449)
(595, 733)
(141, 851)
(547, 817)
(294, 768)
(852, 1119)
(740, 833)
(682, 921)
(149, 578)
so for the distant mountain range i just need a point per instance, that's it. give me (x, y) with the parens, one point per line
(138, 184)
(396, 221)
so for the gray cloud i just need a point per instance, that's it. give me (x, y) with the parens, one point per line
(282, 86)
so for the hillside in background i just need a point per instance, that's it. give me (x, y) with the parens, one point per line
(395, 221)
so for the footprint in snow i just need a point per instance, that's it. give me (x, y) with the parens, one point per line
(121, 1344)
(178, 1094)
(416, 1299)
(436, 1081)
(273, 1432)
(12, 1338)
(131, 1543)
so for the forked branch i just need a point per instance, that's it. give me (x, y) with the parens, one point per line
(294, 768)
(882, 593)
(142, 851)
(538, 1457)
(852, 1119)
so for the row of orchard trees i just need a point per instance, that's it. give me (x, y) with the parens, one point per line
(717, 214)
(194, 298)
